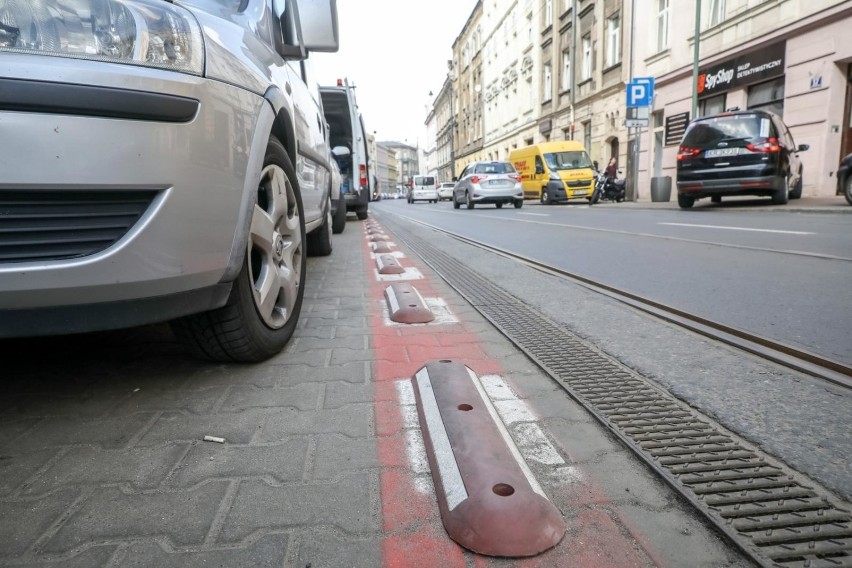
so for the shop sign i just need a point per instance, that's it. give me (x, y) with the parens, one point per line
(545, 126)
(766, 63)
(675, 127)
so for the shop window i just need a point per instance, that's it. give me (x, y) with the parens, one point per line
(767, 96)
(711, 105)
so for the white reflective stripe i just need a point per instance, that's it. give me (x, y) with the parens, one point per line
(505, 434)
(451, 479)
(392, 300)
(739, 229)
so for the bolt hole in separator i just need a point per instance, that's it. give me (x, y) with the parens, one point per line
(490, 502)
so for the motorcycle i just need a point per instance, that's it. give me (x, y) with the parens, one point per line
(606, 188)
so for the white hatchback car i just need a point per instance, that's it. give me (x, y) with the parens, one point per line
(445, 191)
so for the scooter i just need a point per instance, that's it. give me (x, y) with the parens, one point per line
(607, 189)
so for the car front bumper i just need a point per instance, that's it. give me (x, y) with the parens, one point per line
(200, 171)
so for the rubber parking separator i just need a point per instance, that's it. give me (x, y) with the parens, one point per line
(489, 500)
(378, 237)
(387, 264)
(381, 247)
(406, 305)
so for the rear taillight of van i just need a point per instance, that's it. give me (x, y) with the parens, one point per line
(362, 171)
(765, 145)
(685, 153)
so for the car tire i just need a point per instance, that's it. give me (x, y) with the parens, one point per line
(470, 204)
(797, 191)
(847, 188)
(499, 205)
(338, 222)
(361, 214)
(782, 196)
(685, 201)
(596, 195)
(545, 199)
(319, 240)
(519, 203)
(456, 204)
(265, 301)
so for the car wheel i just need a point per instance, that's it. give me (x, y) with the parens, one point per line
(596, 195)
(456, 204)
(780, 197)
(519, 203)
(545, 200)
(797, 191)
(361, 214)
(499, 205)
(266, 298)
(685, 201)
(716, 199)
(319, 240)
(338, 223)
(847, 188)
(470, 204)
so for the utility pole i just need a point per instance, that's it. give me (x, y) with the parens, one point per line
(696, 59)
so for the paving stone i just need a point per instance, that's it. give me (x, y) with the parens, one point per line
(284, 461)
(258, 375)
(339, 393)
(316, 358)
(269, 550)
(94, 556)
(303, 397)
(354, 420)
(106, 433)
(581, 441)
(351, 342)
(184, 517)
(195, 401)
(345, 504)
(235, 427)
(336, 455)
(332, 550)
(339, 356)
(82, 405)
(142, 467)
(31, 519)
(11, 429)
(15, 469)
(355, 372)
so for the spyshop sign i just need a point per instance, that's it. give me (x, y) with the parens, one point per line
(744, 69)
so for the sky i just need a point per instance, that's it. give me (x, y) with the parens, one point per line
(394, 52)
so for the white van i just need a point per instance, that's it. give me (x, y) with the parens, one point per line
(423, 188)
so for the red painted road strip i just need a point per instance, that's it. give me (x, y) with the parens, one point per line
(597, 536)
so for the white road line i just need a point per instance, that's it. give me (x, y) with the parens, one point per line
(738, 228)
(535, 214)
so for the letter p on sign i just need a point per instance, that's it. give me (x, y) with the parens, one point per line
(640, 92)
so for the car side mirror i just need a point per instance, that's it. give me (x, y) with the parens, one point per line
(539, 169)
(595, 163)
(307, 25)
(341, 151)
(802, 147)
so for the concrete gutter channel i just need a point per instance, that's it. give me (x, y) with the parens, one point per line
(323, 463)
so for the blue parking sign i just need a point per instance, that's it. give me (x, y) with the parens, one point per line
(640, 92)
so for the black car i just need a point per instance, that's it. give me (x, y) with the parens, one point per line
(844, 178)
(738, 153)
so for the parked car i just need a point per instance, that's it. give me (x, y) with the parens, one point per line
(423, 188)
(445, 191)
(488, 182)
(174, 131)
(738, 153)
(844, 178)
(554, 172)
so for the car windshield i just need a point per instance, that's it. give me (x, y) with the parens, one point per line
(568, 160)
(494, 168)
(736, 129)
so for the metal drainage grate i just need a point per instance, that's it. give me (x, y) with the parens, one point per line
(766, 509)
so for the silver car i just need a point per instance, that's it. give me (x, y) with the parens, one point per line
(169, 164)
(488, 182)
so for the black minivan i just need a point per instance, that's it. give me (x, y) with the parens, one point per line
(738, 153)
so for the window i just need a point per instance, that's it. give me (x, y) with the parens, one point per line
(613, 41)
(711, 105)
(767, 96)
(548, 82)
(566, 70)
(717, 12)
(587, 134)
(587, 56)
(662, 24)
(548, 13)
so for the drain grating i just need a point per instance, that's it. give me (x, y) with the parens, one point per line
(769, 511)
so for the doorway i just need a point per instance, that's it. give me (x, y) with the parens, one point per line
(846, 143)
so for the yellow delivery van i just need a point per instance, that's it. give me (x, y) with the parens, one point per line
(554, 171)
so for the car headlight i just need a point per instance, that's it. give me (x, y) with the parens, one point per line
(151, 33)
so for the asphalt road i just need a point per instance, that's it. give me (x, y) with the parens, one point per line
(781, 275)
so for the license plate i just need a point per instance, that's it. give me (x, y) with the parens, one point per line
(496, 182)
(721, 152)
(584, 192)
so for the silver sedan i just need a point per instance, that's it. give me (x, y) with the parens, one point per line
(488, 182)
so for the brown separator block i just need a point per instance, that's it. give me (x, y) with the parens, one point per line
(406, 305)
(377, 237)
(387, 264)
(381, 247)
(489, 500)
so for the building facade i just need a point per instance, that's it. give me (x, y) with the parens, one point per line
(406, 158)
(789, 56)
